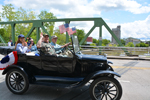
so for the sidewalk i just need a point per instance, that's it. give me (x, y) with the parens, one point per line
(128, 58)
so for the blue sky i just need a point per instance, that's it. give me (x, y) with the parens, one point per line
(132, 15)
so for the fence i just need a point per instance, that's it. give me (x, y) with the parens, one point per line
(110, 51)
(3, 44)
(115, 51)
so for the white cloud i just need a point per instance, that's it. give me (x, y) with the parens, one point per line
(0, 8)
(63, 8)
(136, 29)
(81, 8)
(127, 5)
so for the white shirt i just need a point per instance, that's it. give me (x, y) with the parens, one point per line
(9, 43)
(21, 48)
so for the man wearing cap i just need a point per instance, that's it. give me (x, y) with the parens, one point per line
(57, 47)
(44, 44)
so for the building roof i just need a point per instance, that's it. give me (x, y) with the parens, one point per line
(89, 39)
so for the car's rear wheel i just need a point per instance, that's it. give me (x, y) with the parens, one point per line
(105, 88)
(17, 81)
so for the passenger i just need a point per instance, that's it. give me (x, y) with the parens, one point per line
(57, 47)
(29, 41)
(45, 46)
(21, 45)
(33, 47)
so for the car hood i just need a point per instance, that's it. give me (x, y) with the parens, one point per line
(92, 57)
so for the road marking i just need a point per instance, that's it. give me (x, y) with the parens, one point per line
(132, 67)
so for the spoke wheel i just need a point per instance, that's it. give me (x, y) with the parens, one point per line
(105, 88)
(17, 81)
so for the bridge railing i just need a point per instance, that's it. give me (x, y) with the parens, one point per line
(115, 51)
(3, 44)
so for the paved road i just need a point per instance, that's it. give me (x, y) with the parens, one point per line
(135, 82)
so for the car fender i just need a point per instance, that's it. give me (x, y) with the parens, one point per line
(11, 67)
(94, 75)
(109, 62)
(99, 73)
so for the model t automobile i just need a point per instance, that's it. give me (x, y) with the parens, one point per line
(74, 71)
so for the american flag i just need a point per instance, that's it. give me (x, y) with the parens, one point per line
(71, 31)
(63, 28)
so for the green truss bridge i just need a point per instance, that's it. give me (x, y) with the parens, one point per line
(37, 24)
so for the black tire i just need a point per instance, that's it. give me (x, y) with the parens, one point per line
(17, 81)
(101, 89)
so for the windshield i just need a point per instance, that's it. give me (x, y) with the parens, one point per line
(75, 44)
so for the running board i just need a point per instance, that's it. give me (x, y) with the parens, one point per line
(60, 79)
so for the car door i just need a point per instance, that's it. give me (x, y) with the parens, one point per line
(65, 64)
(49, 63)
(34, 63)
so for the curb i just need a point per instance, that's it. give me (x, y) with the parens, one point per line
(127, 58)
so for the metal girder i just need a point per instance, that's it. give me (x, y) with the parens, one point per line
(115, 37)
(29, 33)
(2, 40)
(52, 20)
(43, 28)
(13, 32)
(37, 34)
(67, 36)
(100, 39)
(82, 41)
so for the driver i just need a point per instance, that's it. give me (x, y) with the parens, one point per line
(57, 47)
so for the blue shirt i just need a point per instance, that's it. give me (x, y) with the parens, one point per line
(33, 48)
(56, 46)
(21, 48)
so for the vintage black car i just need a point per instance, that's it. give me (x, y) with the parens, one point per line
(70, 72)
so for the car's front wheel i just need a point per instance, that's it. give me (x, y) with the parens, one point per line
(17, 81)
(105, 88)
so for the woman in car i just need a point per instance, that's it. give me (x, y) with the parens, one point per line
(33, 47)
(21, 44)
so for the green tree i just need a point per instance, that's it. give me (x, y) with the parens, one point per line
(4, 35)
(142, 45)
(81, 34)
(8, 14)
(95, 40)
(61, 37)
(25, 28)
(123, 41)
(93, 44)
(49, 25)
(112, 45)
(105, 42)
(130, 44)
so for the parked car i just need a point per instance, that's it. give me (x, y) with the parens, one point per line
(69, 72)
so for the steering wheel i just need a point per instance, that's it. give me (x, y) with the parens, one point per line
(69, 49)
(63, 49)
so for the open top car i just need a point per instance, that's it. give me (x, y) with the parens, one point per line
(70, 72)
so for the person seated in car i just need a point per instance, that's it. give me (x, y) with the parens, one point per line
(21, 44)
(45, 46)
(33, 47)
(57, 47)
